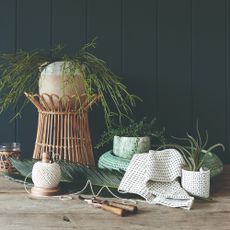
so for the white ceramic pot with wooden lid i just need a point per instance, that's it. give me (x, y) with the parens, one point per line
(46, 176)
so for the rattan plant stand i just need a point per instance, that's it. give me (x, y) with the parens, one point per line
(63, 127)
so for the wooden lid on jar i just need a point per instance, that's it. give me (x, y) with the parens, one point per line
(45, 157)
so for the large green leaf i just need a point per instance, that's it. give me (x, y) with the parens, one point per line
(75, 173)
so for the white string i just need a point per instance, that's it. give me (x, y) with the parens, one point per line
(88, 183)
(25, 183)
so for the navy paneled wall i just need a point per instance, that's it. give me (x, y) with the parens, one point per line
(173, 54)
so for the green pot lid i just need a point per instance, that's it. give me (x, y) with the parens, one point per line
(109, 161)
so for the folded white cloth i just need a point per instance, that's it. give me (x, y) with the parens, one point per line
(154, 176)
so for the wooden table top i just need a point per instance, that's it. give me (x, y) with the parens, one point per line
(19, 212)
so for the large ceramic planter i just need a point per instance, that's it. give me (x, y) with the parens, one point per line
(126, 147)
(53, 81)
(196, 183)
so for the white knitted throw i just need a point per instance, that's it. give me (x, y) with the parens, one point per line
(154, 176)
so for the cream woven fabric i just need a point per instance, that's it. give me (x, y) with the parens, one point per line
(154, 176)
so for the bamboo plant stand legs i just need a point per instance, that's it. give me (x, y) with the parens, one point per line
(61, 131)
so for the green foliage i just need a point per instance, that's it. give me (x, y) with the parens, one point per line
(133, 129)
(20, 73)
(194, 150)
(75, 173)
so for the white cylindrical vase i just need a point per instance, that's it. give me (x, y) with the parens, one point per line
(196, 183)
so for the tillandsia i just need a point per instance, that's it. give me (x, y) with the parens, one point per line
(20, 71)
(194, 151)
(134, 129)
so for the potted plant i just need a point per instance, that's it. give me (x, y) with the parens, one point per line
(54, 72)
(132, 138)
(195, 178)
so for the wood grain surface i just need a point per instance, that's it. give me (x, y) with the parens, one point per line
(19, 212)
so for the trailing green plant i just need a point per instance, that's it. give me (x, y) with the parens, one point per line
(194, 150)
(133, 129)
(20, 71)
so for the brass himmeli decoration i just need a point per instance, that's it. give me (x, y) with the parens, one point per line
(63, 127)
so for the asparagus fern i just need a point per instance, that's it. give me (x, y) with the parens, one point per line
(20, 72)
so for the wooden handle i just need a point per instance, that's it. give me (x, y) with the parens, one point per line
(130, 208)
(114, 210)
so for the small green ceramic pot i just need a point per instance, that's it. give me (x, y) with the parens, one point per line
(126, 147)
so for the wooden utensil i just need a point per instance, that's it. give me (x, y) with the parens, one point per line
(127, 207)
(104, 206)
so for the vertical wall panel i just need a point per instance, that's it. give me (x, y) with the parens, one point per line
(173, 54)
(68, 24)
(33, 33)
(104, 22)
(139, 52)
(227, 69)
(7, 45)
(209, 67)
(173, 66)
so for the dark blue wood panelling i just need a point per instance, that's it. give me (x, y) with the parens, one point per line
(7, 44)
(173, 66)
(227, 69)
(173, 54)
(139, 58)
(208, 68)
(68, 24)
(33, 32)
(104, 21)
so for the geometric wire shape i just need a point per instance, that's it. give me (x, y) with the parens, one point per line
(63, 127)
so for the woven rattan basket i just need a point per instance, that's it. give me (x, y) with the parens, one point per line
(5, 163)
(8, 151)
(63, 128)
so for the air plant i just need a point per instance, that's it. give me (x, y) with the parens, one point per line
(196, 152)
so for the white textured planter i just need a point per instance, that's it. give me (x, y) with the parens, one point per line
(196, 183)
(46, 175)
(52, 81)
(126, 147)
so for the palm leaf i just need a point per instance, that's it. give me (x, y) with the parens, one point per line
(24, 167)
(75, 173)
(17, 178)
